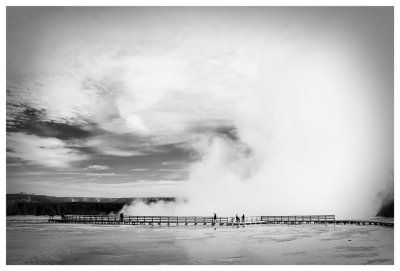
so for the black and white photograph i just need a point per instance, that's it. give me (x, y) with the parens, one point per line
(199, 135)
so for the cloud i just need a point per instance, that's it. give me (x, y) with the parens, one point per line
(172, 163)
(110, 145)
(115, 152)
(50, 152)
(139, 169)
(137, 93)
(13, 164)
(172, 169)
(31, 120)
(98, 167)
(286, 102)
(105, 174)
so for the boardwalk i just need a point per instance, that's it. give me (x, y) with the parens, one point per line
(220, 221)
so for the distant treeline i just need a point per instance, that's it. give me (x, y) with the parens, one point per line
(74, 208)
(31, 204)
(387, 209)
(58, 208)
(15, 198)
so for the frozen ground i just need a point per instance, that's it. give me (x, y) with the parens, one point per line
(265, 244)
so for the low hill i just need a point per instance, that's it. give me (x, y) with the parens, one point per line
(18, 198)
(28, 204)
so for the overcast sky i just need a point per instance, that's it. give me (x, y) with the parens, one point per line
(120, 101)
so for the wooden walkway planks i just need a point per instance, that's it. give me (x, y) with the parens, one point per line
(220, 221)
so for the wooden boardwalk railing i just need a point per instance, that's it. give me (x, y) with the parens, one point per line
(299, 219)
(194, 220)
(203, 220)
(141, 220)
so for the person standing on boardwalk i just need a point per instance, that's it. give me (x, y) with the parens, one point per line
(121, 217)
(243, 218)
(215, 217)
(237, 218)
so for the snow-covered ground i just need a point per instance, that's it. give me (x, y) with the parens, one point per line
(263, 244)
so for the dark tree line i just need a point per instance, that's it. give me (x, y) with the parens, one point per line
(387, 209)
(58, 208)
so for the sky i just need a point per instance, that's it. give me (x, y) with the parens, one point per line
(285, 107)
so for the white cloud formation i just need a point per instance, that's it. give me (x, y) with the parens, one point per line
(115, 152)
(50, 152)
(98, 167)
(110, 174)
(113, 147)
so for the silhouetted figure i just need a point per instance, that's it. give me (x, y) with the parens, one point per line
(121, 217)
(243, 218)
(215, 217)
(237, 218)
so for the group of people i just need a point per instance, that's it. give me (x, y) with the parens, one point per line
(237, 218)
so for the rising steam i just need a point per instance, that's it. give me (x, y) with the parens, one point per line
(301, 147)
